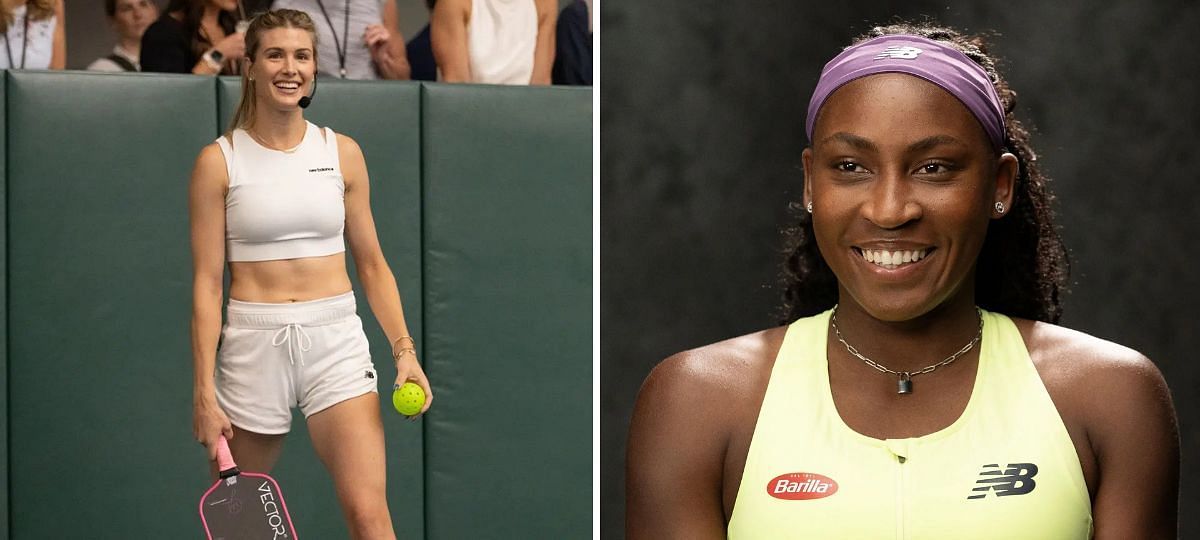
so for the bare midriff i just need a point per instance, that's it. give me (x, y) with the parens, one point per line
(289, 280)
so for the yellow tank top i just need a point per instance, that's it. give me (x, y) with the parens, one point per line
(1005, 469)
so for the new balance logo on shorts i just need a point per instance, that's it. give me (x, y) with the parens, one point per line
(903, 53)
(1015, 479)
(369, 375)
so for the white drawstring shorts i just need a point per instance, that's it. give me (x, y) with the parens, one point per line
(273, 357)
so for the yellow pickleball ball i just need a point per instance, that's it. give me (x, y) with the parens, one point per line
(408, 399)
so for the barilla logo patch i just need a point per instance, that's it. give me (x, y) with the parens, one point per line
(801, 486)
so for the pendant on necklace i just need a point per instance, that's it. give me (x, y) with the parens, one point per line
(904, 385)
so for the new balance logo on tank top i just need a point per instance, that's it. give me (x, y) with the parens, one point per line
(283, 204)
(1016, 479)
(1005, 469)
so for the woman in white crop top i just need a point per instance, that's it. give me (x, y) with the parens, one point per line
(274, 198)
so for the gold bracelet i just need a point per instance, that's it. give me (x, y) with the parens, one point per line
(412, 343)
(398, 354)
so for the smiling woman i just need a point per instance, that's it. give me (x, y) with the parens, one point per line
(920, 388)
(279, 199)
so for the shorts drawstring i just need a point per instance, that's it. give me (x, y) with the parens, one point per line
(284, 335)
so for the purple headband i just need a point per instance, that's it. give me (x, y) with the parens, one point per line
(935, 62)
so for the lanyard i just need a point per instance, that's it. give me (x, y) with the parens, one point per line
(344, 46)
(24, 46)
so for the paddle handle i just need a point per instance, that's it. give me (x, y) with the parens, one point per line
(224, 456)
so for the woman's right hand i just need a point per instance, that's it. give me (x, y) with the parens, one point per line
(233, 46)
(209, 423)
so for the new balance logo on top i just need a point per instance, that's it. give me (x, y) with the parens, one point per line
(321, 169)
(1015, 479)
(903, 53)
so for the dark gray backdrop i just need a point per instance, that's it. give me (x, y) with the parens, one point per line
(701, 126)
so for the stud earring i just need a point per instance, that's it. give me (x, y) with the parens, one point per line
(808, 207)
(999, 207)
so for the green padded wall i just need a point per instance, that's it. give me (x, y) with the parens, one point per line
(3, 315)
(99, 303)
(384, 118)
(98, 368)
(508, 280)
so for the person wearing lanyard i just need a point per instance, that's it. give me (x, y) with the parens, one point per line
(366, 38)
(33, 35)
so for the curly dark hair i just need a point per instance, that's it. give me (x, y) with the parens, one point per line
(1022, 268)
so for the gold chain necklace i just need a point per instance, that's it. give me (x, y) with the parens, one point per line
(904, 385)
(263, 143)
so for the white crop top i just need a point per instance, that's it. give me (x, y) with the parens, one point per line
(283, 205)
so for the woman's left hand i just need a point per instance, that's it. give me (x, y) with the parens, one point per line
(408, 369)
(376, 38)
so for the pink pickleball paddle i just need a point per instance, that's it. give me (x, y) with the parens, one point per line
(244, 505)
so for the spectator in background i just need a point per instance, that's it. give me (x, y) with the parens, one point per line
(33, 34)
(129, 18)
(573, 60)
(420, 53)
(494, 41)
(194, 36)
(251, 8)
(361, 38)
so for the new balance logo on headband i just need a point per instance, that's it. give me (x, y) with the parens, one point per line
(903, 53)
(1015, 479)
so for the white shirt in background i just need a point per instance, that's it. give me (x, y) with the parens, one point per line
(41, 41)
(501, 38)
(104, 64)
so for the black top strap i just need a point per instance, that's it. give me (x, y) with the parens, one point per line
(122, 61)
